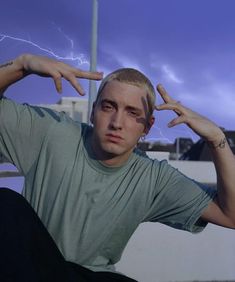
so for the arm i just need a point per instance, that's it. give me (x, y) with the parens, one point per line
(27, 64)
(9, 73)
(20, 123)
(222, 210)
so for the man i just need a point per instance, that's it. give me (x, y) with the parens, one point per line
(89, 186)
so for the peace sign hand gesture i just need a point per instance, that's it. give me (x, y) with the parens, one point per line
(199, 124)
(57, 70)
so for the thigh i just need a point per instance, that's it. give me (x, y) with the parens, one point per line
(28, 252)
(111, 277)
(92, 276)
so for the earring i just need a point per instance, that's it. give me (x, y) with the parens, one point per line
(142, 138)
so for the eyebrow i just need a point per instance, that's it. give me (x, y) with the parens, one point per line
(128, 107)
(108, 101)
(137, 110)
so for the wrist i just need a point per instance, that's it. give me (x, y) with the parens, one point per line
(21, 63)
(218, 142)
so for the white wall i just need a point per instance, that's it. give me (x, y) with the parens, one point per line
(157, 253)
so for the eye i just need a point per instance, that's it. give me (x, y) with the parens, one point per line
(106, 107)
(133, 113)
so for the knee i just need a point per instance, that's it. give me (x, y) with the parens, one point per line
(10, 199)
(7, 193)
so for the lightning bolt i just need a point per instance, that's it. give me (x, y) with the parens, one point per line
(59, 29)
(79, 59)
(161, 136)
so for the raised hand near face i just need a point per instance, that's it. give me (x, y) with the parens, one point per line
(27, 64)
(199, 124)
(44, 66)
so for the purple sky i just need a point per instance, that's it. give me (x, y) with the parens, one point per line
(186, 45)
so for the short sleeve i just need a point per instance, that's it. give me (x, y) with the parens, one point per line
(178, 201)
(23, 129)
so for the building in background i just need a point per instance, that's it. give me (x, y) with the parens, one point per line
(75, 107)
(175, 150)
(201, 152)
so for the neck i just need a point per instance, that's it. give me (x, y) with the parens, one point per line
(115, 161)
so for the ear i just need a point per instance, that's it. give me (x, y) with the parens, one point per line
(92, 113)
(149, 124)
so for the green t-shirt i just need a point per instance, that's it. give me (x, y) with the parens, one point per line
(92, 210)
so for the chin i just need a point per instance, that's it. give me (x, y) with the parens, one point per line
(114, 149)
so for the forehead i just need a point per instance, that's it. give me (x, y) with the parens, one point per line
(125, 94)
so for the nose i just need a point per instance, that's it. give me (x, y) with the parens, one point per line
(117, 120)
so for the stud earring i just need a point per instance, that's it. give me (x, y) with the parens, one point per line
(142, 138)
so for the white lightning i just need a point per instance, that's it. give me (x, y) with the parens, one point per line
(79, 59)
(171, 75)
(161, 136)
(65, 35)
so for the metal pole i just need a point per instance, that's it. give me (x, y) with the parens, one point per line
(177, 148)
(93, 60)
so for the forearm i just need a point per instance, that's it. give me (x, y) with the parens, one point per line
(11, 72)
(224, 161)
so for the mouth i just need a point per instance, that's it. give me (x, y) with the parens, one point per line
(113, 138)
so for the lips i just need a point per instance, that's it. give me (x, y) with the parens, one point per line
(113, 137)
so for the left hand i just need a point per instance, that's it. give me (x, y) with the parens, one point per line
(199, 124)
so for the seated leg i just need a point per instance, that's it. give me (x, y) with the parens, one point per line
(28, 252)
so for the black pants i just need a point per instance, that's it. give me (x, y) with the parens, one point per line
(28, 252)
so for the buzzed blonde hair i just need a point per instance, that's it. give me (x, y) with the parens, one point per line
(133, 77)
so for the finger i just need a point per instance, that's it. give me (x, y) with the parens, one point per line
(176, 121)
(162, 91)
(74, 82)
(58, 83)
(89, 75)
(176, 107)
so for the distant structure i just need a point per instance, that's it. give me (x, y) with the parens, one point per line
(75, 107)
(175, 150)
(201, 152)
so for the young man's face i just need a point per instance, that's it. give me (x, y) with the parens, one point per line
(120, 118)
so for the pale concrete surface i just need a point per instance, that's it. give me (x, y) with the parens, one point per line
(157, 253)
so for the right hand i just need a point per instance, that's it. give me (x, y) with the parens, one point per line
(201, 125)
(57, 70)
